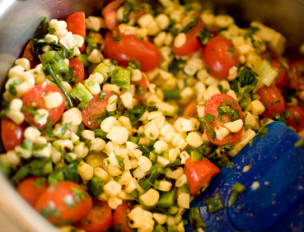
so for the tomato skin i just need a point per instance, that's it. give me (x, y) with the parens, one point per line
(296, 117)
(35, 98)
(296, 74)
(52, 203)
(76, 23)
(78, 69)
(31, 188)
(28, 54)
(199, 174)
(98, 220)
(120, 218)
(282, 78)
(267, 96)
(211, 107)
(95, 109)
(192, 44)
(219, 55)
(109, 14)
(131, 48)
(11, 134)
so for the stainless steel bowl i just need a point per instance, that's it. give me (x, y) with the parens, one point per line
(19, 18)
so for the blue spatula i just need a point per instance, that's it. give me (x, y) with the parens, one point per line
(273, 199)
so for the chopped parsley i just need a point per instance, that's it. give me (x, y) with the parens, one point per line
(195, 218)
(121, 162)
(190, 25)
(79, 195)
(204, 36)
(12, 86)
(176, 65)
(275, 101)
(171, 94)
(232, 51)
(95, 186)
(117, 38)
(134, 64)
(226, 109)
(62, 129)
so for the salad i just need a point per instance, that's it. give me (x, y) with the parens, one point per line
(116, 122)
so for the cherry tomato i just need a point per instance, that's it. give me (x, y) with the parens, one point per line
(94, 110)
(282, 78)
(219, 56)
(28, 54)
(35, 98)
(64, 203)
(98, 220)
(76, 23)
(142, 83)
(78, 69)
(199, 174)
(296, 117)
(212, 108)
(120, 218)
(273, 100)
(109, 14)
(192, 44)
(11, 134)
(190, 110)
(130, 48)
(31, 188)
(296, 74)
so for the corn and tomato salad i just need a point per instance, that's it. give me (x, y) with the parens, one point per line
(117, 121)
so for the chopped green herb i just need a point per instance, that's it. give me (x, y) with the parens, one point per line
(117, 38)
(95, 186)
(262, 132)
(275, 101)
(176, 65)
(226, 109)
(12, 86)
(204, 36)
(237, 188)
(51, 30)
(79, 195)
(100, 133)
(190, 25)
(232, 51)
(50, 211)
(134, 65)
(27, 145)
(214, 203)
(121, 162)
(171, 94)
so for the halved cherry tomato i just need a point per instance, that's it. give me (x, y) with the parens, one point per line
(78, 69)
(219, 56)
(130, 48)
(35, 98)
(296, 74)
(11, 134)
(273, 100)
(296, 117)
(282, 78)
(212, 107)
(94, 110)
(120, 218)
(28, 54)
(142, 83)
(64, 203)
(190, 110)
(199, 174)
(76, 23)
(192, 44)
(31, 188)
(109, 14)
(98, 220)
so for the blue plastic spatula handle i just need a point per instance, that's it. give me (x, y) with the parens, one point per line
(274, 195)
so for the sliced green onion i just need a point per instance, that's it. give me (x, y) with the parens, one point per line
(166, 199)
(171, 94)
(266, 73)
(237, 188)
(81, 93)
(121, 77)
(214, 203)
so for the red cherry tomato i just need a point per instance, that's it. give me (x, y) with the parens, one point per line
(11, 134)
(76, 23)
(64, 203)
(142, 83)
(296, 74)
(35, 98)
(109, 14)
(28, 54)
(273, 100)
(98, 220)
(131, 48)
(120, 218)
(94, 110)
(282, 78)
(78, 69)
(211, 107)
(219, 56)
(199, 174)
(31, 188)
(296, 117)
(192, 44)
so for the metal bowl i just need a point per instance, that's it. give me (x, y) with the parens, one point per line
(19, 19)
